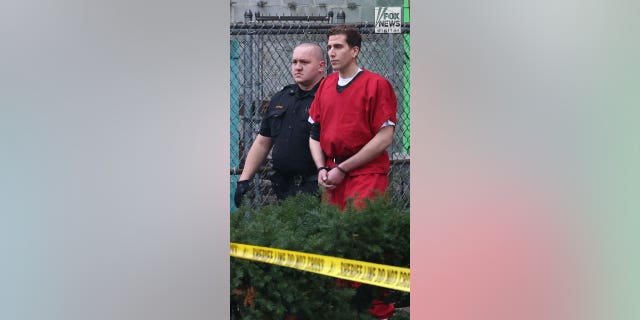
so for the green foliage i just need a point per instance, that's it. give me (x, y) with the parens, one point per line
(398, 315)
(378, 233)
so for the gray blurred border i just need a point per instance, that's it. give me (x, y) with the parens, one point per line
(113, 187)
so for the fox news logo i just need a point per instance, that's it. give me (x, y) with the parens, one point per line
(388, 19)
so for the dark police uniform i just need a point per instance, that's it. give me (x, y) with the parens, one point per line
(286, 123)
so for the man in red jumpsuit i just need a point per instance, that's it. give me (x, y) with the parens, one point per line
(353, 117)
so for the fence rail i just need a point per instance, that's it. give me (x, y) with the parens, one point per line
(241, 28)
(260, 66)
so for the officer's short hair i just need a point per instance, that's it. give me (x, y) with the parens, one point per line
(319, 50)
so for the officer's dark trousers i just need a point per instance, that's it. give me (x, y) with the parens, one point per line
(289, 186)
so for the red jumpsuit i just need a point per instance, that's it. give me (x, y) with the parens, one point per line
(349, 117)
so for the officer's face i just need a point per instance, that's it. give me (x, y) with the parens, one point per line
(340, 54)
(306, 67)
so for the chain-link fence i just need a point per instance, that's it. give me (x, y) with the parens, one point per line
(260, 67)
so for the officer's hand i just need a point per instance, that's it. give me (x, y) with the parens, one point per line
(242, 187)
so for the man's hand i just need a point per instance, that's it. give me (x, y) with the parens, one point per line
(335, 176)
(242, 187)
(322, 178)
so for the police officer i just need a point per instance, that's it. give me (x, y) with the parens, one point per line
(285, 128)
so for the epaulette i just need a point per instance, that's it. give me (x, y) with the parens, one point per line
(290, 88)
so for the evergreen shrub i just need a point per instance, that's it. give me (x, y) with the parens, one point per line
(379, 233)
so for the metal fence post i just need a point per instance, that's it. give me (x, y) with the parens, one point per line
(257, 100)
(235, 115)
(393, 78)
(248, 94)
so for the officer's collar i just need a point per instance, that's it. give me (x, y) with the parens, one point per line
(302, 93)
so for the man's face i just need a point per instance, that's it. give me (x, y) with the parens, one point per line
(340, 54)
(306, 66)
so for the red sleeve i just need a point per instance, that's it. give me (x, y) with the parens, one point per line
(314, 110)
(385, 105)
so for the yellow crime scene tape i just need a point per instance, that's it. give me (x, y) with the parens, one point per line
(381, 275)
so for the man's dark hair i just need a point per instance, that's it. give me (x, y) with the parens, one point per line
(354, 39)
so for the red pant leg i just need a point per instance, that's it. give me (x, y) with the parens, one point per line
(358, 188)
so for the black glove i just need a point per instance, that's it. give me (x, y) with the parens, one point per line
(242, 187)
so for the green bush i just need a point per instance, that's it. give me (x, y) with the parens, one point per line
(378, 233)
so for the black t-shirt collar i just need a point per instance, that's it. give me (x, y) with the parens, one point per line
(302, 93)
